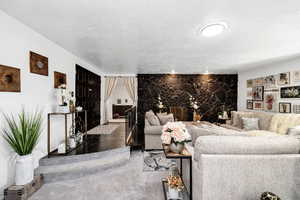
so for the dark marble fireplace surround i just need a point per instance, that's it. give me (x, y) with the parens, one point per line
(211, 91)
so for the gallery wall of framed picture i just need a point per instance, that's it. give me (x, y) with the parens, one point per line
(275, 93)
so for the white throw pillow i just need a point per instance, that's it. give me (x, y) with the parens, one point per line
(294, 131)
(250, 123)
(164, 119)
(152, 118)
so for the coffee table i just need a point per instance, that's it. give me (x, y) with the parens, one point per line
(184, 155)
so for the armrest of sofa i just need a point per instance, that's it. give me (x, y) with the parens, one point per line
(153, 130)
(246, 145)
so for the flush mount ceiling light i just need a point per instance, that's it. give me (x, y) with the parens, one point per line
(173, 71)
(214, 29)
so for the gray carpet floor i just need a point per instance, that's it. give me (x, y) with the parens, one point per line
(127, 182)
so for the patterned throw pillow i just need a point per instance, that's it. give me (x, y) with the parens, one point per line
(250, 123)
(269, 196)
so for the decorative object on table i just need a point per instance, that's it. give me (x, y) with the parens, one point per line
(22, 134)
(269, 196)
(156, 160)
(175, 186)
(72, 142)
(79, 108)
(296, 76)
(258, 82)
(59, 79)
(285, 107)
(119, 101)
(250, 104)
(296, 109)
(258, 93)
(22, 192)
(176, 135)
(10, 80)
(258, 105)
(38, 64)
(270, 82)
(290, 92)
(250, 83)
(126, 100)
(224, 114)
(61, 148)
(284, 78)
(270, 101)
(72, 107)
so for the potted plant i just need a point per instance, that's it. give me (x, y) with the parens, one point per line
(175, 135)
(22, 134)
(175, 186)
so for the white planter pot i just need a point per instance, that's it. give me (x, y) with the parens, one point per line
(173, 193)
(24, 170)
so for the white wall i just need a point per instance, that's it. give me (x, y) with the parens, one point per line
(16, 41)
(265, 70)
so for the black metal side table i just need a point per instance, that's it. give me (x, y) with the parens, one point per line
(185, 155)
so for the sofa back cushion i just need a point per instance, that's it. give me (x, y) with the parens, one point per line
(165, 118)
(264, 119)
(246, 145)
(280, 123)
(237, 118)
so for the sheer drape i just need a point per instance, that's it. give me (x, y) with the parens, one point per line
(130, 83)
(110, 84)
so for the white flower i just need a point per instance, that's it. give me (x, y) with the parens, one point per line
(176, 131)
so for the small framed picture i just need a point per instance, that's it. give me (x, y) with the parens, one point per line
(270, 82)
(285, 107)
(296, 109)
(126, 100)
(119, 101)
(258, 93)
(284, 78)
(249, 93)
(258, 82)
(258, 105)
(250, 104)
(270, 101)
(249, 83)
(296, 76)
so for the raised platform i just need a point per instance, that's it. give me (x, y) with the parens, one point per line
(76, 166)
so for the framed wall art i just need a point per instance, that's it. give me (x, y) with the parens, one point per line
(249, 93)
(284, 78)
(258, 105)
(296, 109)
(285, 107)
(258, 93)
(250, 104)
(270, 101)
(258, 82)
(296, 76)
(290, 92)
(270, 82)
(59, 79)
(249, 83)
(38, 64)
(10, 79)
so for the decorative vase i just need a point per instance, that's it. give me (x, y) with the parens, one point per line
(72, 142)
(176, 148)
(173, 193)
(24, 170)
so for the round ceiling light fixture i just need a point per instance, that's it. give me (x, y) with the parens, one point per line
(214, 29)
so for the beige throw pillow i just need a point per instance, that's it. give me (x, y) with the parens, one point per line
(164, 119)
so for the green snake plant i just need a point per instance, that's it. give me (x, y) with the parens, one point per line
(23, 131)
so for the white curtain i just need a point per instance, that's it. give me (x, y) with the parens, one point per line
(130, 83)
(110, 84)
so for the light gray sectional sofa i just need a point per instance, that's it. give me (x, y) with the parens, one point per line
(236, 164)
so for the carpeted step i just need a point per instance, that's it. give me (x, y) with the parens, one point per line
(76, 166)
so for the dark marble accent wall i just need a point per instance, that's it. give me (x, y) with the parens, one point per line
(211, 91)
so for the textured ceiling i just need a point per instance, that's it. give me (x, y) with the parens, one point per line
(156, 36)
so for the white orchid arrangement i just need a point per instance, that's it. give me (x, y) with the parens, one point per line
(160, 105)
(193, 103)
(175, 132)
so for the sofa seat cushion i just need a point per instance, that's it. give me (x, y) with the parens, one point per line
(261, 133)
(246, 145)
(153, 130)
